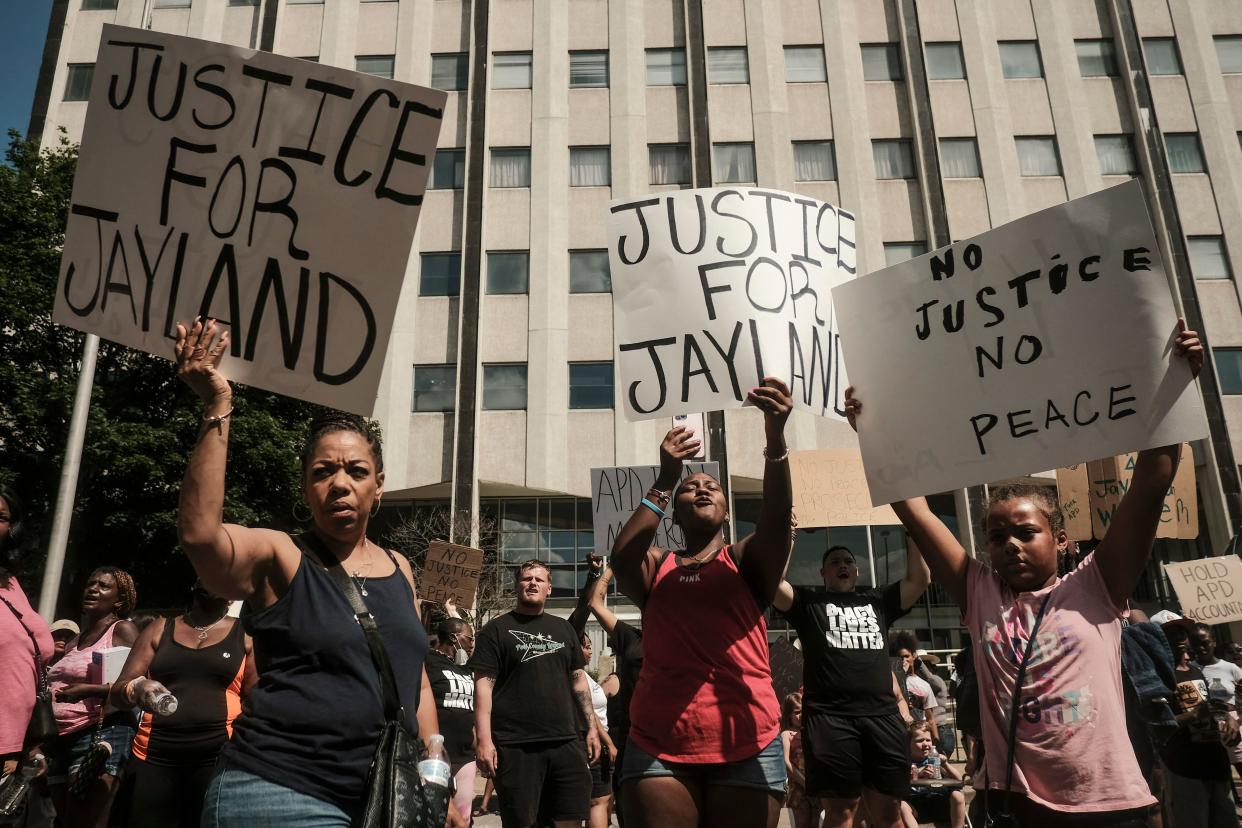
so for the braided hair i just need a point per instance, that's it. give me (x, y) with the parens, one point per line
(331, 421)
(17, 514)
(126, 592)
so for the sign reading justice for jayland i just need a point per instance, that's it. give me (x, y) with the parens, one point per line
(1038, 344)
(715, 289)
(276, 195)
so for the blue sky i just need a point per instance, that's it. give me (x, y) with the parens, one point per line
(23, 28)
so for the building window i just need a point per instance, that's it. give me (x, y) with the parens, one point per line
(590, 167)
(588, 70)
(450, 72)
(1208, 259)
(241, 2)
(881, 62)
(1038, 156)
(588, 272)
(557, 531)
(1229, 369)
(959, 158)
(290, 2)
(103, 5)
(1160, 54)
(1020, 59)
(78, 81)
(1185, 154)
(814, 161)
(1116, 154)
(448, 170)
(944, 61)
(727, 64)
(185, 4)
(440, 274)
(1229, 54)
(590, 385)
(435, 387)
(670, 163)
(504, 387)
(666, 67)
(893, 159)
(734, 163)
(508, 272)
(898, 252)
(1096, 58)
(511, 70)
(805, 64)
(511, 167)
(379, 65)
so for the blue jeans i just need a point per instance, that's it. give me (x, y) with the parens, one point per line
(763, 771)
(237, 799)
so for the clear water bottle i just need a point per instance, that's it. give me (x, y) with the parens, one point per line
(435, 768)
(159, 701)
(933, 762)
(14, 795)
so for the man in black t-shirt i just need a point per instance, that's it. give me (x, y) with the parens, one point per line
(452, 686)
(532, 707)
(854, 741)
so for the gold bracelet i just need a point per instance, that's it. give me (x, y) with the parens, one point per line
(217, 422)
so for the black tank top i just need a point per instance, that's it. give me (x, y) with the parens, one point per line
(207, 684)
(313, 720)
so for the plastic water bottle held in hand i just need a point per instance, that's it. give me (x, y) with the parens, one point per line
(156, 699)
(934, 763)
(435, 768)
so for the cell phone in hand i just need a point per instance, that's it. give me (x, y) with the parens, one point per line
(694, 424)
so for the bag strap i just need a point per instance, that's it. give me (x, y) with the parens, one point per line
(40, 667)
(316, 550)
(1011, 745)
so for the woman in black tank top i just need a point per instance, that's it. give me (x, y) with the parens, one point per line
(203, 659)
(302, 747)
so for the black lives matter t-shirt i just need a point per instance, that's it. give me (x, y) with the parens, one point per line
(452, 685)
(845, 648)
(532, 658)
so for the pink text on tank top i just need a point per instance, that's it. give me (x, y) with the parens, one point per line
(1073, 752)
(73, 669)
(705, 692)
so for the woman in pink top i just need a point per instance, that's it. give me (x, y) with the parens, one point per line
(1074, 765)
(107, 601)
(704, 745)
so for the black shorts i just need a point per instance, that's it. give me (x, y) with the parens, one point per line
(930, 806)
(601, 775)
(844, 754)
(543, 781)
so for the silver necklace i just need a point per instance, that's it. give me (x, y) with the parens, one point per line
(357, 574)
(202, 631)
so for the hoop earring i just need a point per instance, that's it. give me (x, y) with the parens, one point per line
(375, 509)
(298, 517)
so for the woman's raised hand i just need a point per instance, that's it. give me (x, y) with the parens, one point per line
(199, 351)
(679, 445)
(853, 407)
(1189, 345)
(773, 399)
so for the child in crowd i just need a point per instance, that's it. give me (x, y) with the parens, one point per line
(803, 808)
(928, 803)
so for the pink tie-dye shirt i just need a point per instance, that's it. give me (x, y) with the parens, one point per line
(1073, 752)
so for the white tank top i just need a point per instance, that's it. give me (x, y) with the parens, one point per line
(599, 700)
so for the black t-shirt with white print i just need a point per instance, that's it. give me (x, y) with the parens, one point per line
(532, 658)
(452, 685)
(845, 648)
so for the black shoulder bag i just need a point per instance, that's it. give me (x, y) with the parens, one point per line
(42, 727)
(396, 796)
(1006, 819)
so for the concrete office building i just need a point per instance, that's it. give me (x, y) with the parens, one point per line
(931, 120)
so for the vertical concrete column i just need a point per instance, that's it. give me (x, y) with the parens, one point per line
(1071, 112)
(206, 19)
(769, 98)
(338, 39)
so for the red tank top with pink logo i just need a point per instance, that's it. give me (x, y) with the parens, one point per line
(705, 692)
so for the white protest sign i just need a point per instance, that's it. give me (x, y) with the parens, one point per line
(1209, 589)
(617, 491)
(714, 289)
(276, 195)
(1035, 345)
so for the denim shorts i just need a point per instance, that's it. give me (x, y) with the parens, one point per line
(763, 771)
(238, 799)
(65, 753)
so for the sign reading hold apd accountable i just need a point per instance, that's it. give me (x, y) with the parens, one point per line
(715, 289)
(451, 573)
(1209, 589)
(830, 489)
(617, 491)
(1034, 345)
(276, 195)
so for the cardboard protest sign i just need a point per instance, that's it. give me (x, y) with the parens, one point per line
(451, 572)
(714, 289)
(1209, 589)
(830, 489)
(276, 195)
(1074, 493)
(1109, 480)
(617, 491)
(1037, 344)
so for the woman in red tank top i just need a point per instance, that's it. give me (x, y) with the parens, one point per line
(704, 745)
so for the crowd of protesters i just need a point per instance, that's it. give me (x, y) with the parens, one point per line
(1074, 711)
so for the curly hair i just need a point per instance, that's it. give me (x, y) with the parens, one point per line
(126, 592)
(1044, 498)
(332, 421)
